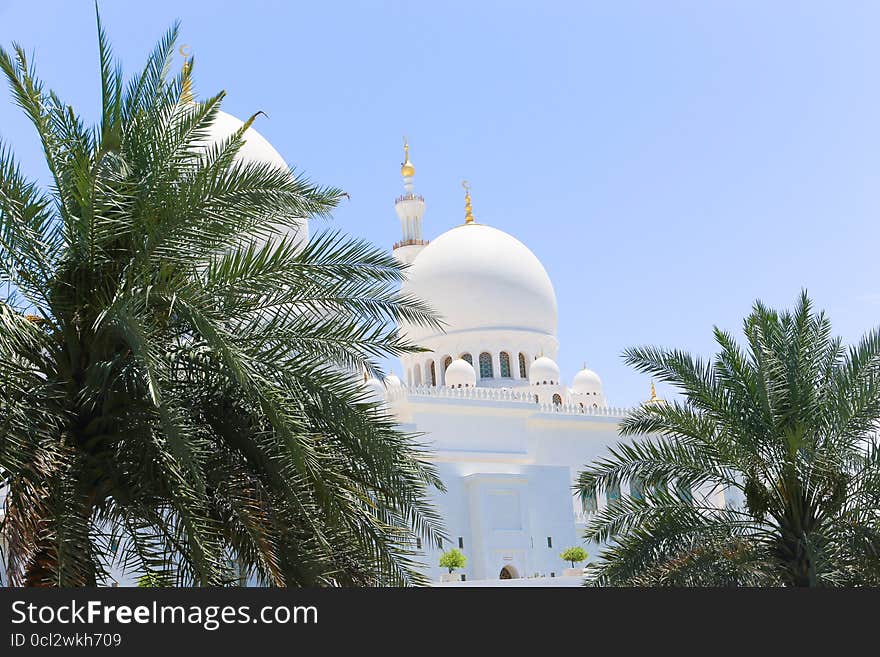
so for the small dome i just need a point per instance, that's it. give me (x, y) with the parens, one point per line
(375, 391)
(460, 374)
(586, 382)
(543, 371)
(393, 381)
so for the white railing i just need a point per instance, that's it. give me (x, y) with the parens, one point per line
(489, 394)
(524, 397)
(575, 409)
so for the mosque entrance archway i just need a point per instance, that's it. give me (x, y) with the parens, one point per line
(508, 572)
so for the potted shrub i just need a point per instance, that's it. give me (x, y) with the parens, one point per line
(452, 560)
(573, 555)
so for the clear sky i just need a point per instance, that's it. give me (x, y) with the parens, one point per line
(669, 162)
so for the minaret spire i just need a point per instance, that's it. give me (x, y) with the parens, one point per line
(186, 95)
(468, 211)
(407, 170)
(410, 208)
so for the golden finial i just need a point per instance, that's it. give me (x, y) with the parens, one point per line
(468, 211)
(407, 170)
(186, 95)
(654, 398)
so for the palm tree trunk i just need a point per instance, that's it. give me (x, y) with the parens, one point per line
(42, 569)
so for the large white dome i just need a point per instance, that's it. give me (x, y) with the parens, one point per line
(480, 278)
(256, 148)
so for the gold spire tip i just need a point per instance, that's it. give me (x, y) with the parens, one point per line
(407, 170)
(468, 210)
(186, 95)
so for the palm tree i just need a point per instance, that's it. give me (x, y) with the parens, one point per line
(786, 427)
(176, 392)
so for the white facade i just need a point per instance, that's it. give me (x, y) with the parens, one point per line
(509, 465)
(509, 437)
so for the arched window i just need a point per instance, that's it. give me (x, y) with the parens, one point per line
(613, 494)
(467, 358)
(486, 365)
(433, 374)
(505, 365)
(446, 363)
(557, 400)
(637, 488)
(522, 366)
(591, 505)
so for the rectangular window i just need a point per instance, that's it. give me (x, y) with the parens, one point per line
(460, 543)
(549, 541)
(418, 543)
(440, 543)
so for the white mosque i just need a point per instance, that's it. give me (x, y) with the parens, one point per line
(508, 435)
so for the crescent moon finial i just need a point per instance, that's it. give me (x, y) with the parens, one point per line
(186, 94)
(468, 211)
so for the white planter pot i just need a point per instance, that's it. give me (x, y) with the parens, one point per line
(573, 572)
(450, 577)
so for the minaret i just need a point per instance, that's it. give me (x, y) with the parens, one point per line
(410, 208)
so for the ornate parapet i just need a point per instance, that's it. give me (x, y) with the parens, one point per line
(522, 396)
(397, 245)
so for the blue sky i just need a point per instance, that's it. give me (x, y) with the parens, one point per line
(669, 162)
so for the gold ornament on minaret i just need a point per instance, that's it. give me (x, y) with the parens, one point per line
(186, 95)
(407, 170)
(468, 211)
(654, 398)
